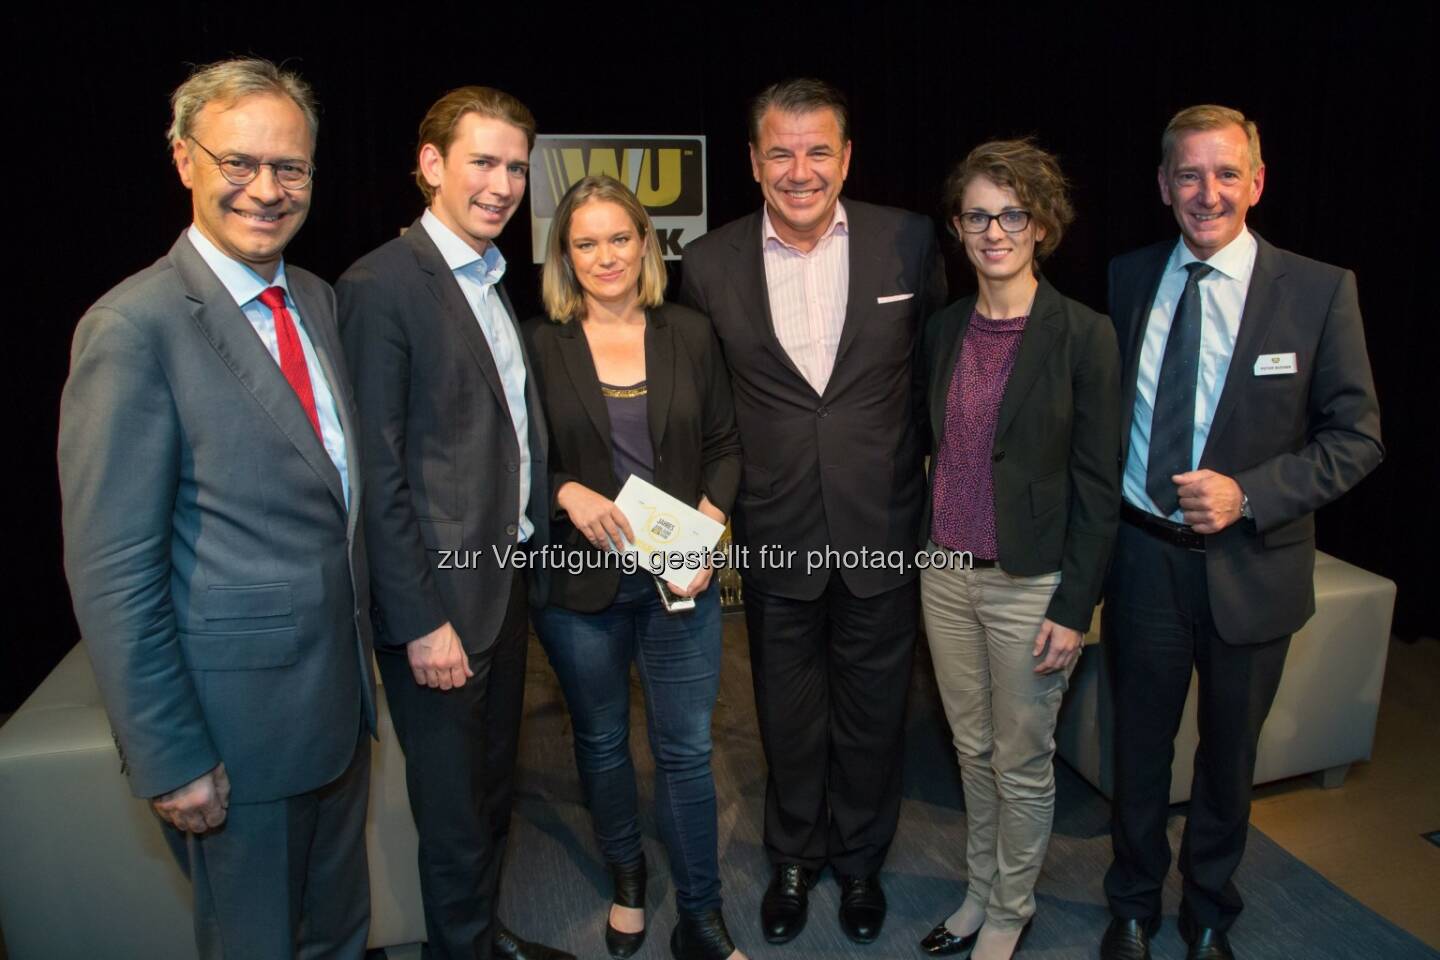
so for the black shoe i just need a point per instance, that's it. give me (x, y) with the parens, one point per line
(701, 936)
(629, 880)
(1128, 938)
(862, 907)
(1206, 943)
(513, 948)
(940, 942)
(786, 900)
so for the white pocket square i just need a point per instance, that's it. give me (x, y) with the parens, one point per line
(894, 298)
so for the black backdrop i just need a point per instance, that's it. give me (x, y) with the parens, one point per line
(1341, 99)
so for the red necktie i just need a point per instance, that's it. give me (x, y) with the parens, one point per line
(292, 355)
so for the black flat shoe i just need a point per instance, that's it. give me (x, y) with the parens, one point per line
(1128, 938)
(701, 936)
(786, 902)
(940, 942)
(1206, 943)
(511, 947)
(862, 907)
(629, 883)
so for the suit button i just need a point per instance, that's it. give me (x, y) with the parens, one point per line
(997, 456)
(823, 412)
(511, 529)
(511, 467)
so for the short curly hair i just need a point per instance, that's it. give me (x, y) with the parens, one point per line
(1032, 172)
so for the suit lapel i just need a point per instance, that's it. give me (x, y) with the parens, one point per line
(659, 373)
(1139, 290)
(1036, 341)
(456, 309)
(319, 324)
(222, 323)
(748, 268)
(948, 352)
(1263, 301)
(580, 367)
(864, 278)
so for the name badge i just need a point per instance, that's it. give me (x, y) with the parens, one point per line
(1272, 364)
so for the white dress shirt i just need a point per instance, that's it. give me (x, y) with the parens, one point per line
(245, 286)
(477, 275)
(1222, 304)
(808, 294)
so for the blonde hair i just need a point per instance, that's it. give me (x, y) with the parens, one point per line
(564, 298)
(441, 120)
(1208, 116)
(229, 81)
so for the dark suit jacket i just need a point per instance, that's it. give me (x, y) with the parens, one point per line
(692, 427)
(218, 577)
(841, 470)
(438, 446)
(1055, 458)
(1293, 442)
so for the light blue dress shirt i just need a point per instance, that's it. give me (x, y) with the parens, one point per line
(1222, 304)
(477, 275)
(245, 286)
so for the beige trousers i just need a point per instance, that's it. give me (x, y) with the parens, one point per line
(981, 627)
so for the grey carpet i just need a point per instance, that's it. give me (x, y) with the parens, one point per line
(557, 890)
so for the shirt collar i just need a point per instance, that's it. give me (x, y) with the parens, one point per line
(238, 279)
(459, 255)
(839, 224)
(1235, 260)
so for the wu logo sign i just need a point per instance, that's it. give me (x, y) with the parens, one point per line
(667, 174)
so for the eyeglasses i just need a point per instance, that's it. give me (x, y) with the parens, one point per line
(239, 169)
(1011, 221)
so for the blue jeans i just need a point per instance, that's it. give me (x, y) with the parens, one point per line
(678, 656)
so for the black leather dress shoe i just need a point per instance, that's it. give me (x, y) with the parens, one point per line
(862, 907)
(1128, 938)
(701, 936)
(511, 947)
(629, 882)
(783, 909)
(940, 942)
(1206, 943)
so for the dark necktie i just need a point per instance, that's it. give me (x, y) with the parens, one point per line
(1172, 422)
(292, 355)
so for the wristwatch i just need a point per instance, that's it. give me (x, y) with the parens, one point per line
(1245, 510)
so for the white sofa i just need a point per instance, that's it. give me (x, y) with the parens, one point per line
(84, 872)
(1324, 714)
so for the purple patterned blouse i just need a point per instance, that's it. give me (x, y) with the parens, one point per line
(963, 504)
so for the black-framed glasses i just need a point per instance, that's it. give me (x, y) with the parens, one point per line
(239, 169)
(1011, 221)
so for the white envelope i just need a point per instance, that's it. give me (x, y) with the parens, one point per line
(670, 536)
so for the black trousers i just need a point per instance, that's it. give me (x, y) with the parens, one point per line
(1157, 629)
(460, 750)
(831, 678)
(287, 877)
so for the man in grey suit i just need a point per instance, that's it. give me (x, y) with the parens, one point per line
(454, 442)
(1247, 403)
(818, 305)
(211, 486)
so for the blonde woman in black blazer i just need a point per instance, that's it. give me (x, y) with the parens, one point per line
(1023, 391)
(634, 386)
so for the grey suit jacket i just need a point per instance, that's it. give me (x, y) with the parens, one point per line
(218, 577)
(1294, 442)
(842, 470)
(438, 447)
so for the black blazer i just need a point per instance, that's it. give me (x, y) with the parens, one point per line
(438, 447)
(1302, 439)
(843, 470)
(692, 428)
(1055, 460)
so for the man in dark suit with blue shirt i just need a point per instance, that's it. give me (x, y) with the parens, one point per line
(210, 477)
(1248, 403)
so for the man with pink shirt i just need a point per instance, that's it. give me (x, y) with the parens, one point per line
(817, 304)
